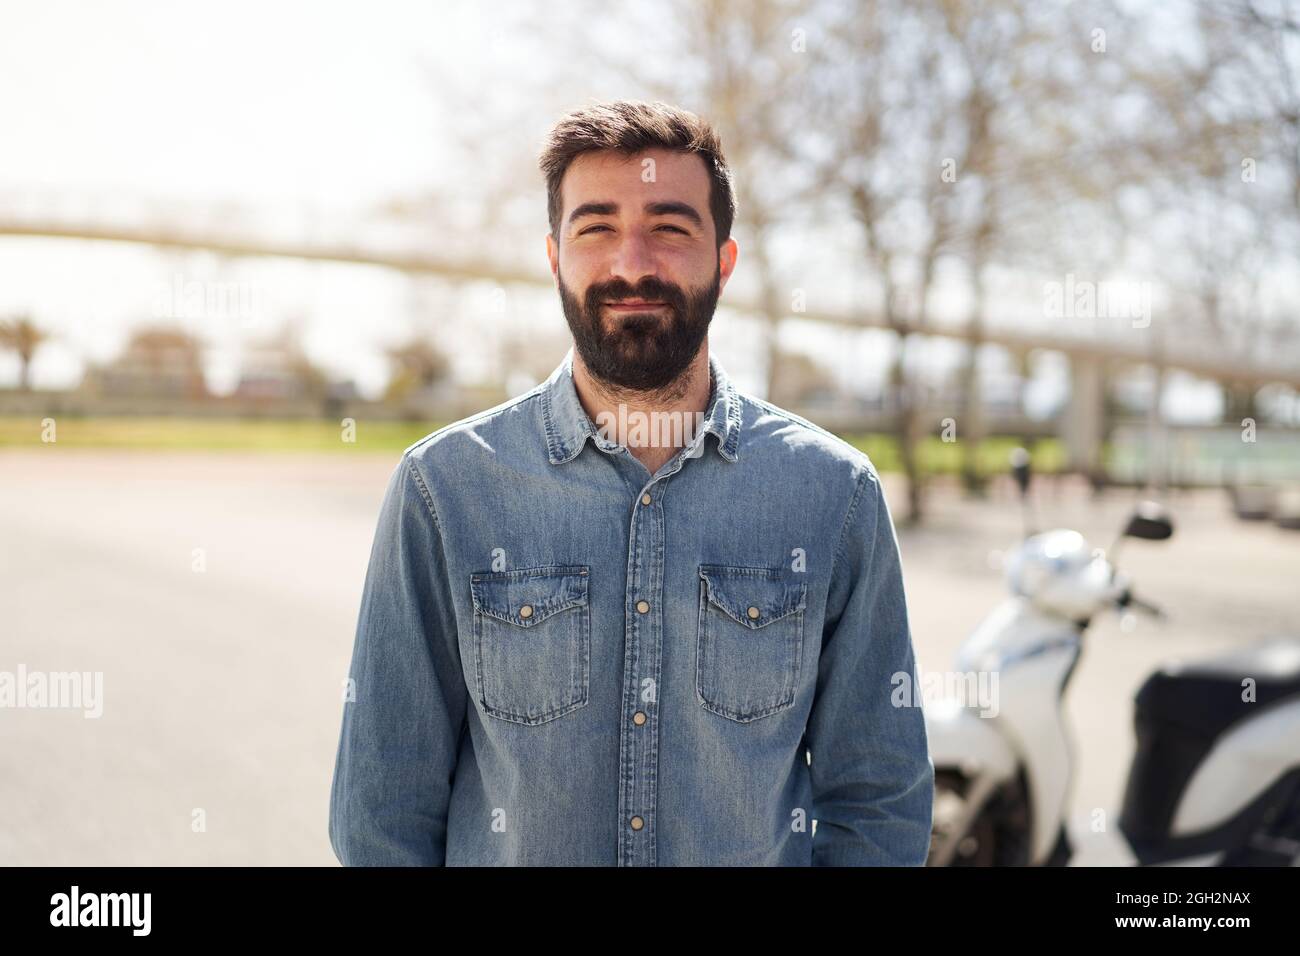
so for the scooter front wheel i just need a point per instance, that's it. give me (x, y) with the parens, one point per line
(998, 835)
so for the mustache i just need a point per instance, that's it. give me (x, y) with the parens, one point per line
(651, 290)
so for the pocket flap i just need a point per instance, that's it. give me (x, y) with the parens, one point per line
(754, 597)
(530, 595)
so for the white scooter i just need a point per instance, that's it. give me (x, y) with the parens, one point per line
(1215, 778)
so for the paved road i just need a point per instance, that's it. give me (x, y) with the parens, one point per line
(222, 686)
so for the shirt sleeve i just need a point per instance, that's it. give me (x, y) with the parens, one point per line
(404, 715)
(871, 773)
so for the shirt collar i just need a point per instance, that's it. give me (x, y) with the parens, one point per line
(568, 425)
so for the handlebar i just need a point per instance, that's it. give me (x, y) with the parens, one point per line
(1129, 600)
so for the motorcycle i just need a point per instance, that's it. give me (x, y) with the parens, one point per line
(1215, 776)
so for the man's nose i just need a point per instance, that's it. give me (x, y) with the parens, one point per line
(633, 260)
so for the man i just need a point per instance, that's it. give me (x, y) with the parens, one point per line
(589, 640)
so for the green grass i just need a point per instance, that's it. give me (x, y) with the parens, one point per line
(945, 458)
(214, 434)
(297, 435)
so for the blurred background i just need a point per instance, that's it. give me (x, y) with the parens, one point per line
(250, 252)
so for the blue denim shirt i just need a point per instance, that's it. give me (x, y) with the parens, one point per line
(564, 660)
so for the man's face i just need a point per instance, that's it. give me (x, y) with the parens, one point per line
(637, 264)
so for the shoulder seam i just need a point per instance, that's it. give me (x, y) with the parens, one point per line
(863, 479)
(423, 489)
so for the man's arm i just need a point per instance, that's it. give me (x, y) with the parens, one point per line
(397, 749)
(872, 778)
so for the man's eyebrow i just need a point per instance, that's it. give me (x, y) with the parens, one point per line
(593, 209)
(674, 209)
(666, 208)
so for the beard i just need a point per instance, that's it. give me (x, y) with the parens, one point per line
(639, 351)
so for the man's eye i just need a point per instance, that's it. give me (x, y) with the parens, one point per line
(673, 228)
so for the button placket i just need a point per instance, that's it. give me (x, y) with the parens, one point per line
(643, 643)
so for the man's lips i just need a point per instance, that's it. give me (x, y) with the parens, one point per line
(626, 305)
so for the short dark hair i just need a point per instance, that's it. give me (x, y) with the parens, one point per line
(631, 126)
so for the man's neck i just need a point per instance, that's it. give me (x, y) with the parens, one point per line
(654, 425)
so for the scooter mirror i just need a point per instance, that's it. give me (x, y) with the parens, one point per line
(1020, 470)
(1150, 522)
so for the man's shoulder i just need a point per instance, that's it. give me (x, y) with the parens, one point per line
(768, 426)
(512, 417)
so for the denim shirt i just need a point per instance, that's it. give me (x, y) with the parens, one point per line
(562, 659)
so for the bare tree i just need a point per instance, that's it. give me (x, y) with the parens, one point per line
(417, 363)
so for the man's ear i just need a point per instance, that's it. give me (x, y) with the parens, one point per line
(728, 254)
(553, 257)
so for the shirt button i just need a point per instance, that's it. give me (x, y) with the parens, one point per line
(638, 718)
(637, 823)
(526, 611)
(646, 499)
(642, 606)
(753, 613)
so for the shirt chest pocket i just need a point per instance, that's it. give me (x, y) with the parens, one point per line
(749, 646)
(532, 642)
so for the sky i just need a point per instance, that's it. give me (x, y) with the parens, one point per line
(284, 102)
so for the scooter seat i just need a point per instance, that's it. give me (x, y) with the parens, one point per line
(1182, 710)
(1207, 696)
